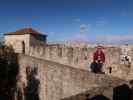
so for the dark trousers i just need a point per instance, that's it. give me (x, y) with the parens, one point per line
(96, 67)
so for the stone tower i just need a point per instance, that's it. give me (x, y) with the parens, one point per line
(22, 39)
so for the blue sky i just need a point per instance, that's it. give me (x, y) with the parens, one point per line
(93, 20)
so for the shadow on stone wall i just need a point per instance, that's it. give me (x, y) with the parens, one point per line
(32, 89)
(122, 92)
(99, 97)
(8, 72)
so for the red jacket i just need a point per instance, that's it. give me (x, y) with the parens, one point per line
(99, 56)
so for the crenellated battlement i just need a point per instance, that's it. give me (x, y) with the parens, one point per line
(60, 53)
(80, 57)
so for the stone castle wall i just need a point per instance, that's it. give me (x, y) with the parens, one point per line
(56, 81)
(62, 54)
(81, 57)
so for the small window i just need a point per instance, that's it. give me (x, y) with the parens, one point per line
(60, 52)
(23, 47)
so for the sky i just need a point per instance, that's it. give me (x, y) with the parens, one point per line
(108, 21)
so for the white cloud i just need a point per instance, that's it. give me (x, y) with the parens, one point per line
(80, 37)
(83, 28)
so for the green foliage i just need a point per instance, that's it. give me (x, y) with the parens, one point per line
(8, 72)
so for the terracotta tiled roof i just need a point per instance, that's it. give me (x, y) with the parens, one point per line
(25, 31)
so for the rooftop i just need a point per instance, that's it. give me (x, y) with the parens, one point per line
(25, 31)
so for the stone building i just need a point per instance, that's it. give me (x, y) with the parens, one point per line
(22, 39)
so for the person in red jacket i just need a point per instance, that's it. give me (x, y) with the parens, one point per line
(98, 60)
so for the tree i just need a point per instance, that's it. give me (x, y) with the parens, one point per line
(8, 72)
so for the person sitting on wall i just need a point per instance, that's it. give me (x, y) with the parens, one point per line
(98, 60)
